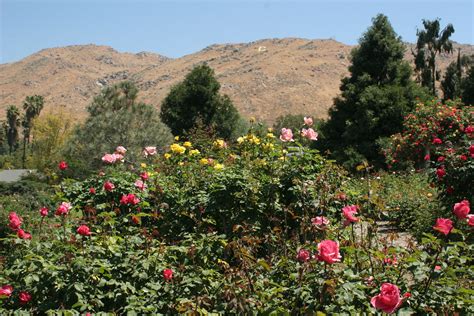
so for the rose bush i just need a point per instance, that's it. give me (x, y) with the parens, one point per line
(261, 226)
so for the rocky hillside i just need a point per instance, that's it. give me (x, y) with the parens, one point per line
(266, 78)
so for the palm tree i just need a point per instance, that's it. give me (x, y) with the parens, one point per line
(32, 107)
(13, 121)
(431, 41)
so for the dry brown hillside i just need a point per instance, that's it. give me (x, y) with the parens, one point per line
(266, 78)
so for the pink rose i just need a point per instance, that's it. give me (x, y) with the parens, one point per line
(469, 129)
(15, 221)
(437, 268)
(470, 220)
(109, 158)
(149, 151)
(140, 185)
(320, 221)
(83, 230)
(92, 190)
(22, 234)
(328, 251)
(348, 212)
(308, 121)
(427, 157)
(44, 211)
(6, 291)
(303, 255)
(437, 141)
(286, 135)
(63, 208)
(441, 159)
(24, 297)
(108, 186)
(168, 274)
(63, 165)
(309, 134)
(388, 300)
(120, 150)
(129, 199)
(443, 225)
(461, 209)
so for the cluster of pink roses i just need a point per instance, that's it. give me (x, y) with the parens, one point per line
(129, 199)
(461, 210)
(15, 223)
(117, 156)
(328, 251)
(7, 290)
(286, 134)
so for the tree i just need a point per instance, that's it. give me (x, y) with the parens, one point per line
(467, 86)
(32, 107)
(197, 99)
(374, 99)
(13, 122)
(115, 119)
(454, 76)
(431, 41)
(51, 132)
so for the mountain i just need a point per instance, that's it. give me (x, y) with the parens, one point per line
(265, 78)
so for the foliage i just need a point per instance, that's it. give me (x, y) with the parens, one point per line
(197, 100)
(431, 42)
(467, 86)
(374, 100)
(453, 81)
(438, 136)
(32, 108)
(51, 132)
(405, 199)
(13, 122)
(115, 117)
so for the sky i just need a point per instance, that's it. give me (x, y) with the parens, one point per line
(180, 27)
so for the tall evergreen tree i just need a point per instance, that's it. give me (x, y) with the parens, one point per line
(197, 99)
(374, 99)
(13, 122)
(431, 41)
(467, 86)
(454, 75)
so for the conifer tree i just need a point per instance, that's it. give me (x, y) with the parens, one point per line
(374, 99)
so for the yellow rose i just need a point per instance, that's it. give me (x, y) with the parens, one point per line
(203, 161)
(181, 163)
(218, 166)
(176, 148)
(194, 152)
(187, 144)
(176, 138)
(270, 135)
(167, 156)
(220, 143)
(143, 165)
(240, 140)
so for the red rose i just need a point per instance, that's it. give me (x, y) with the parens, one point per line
(144, 176)
(427, 157)
(63, 165)
(92, 190)
(388, 300)
(6, 291)
(471, 150)
(108, 186)
(441, 158)
(44, 211)
(463, 157)
(22, 234)
(167, 274)
(461, 209)
(437, 141)
(328, 251)
(15, 221)
(24, 297)
(469, 129)
(440, 172)
(303, 255)
(443, 225)
(83, 230)
(63, 209)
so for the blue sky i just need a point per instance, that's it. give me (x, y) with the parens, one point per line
(176, 28)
